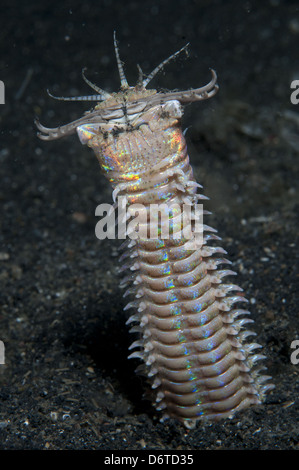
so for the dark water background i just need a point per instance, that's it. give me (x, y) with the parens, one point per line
(67, 383)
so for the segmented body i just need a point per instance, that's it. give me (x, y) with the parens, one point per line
(191, 332)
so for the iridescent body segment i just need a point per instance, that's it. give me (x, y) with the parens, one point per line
(191, 336)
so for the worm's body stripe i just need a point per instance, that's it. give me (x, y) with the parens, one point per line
(192, 339)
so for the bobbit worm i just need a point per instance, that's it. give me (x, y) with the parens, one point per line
(192, 339)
